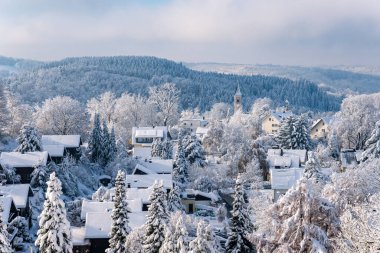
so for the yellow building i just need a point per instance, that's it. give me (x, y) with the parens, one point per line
(320, 128)
(272, 123)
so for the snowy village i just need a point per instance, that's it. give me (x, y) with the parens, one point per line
(171, 126)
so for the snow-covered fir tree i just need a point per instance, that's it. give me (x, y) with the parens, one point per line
(286, 134)
(29, 139)
(193, 148)
(301, 133)
(120, 228)
(241, 224)
(5, 245)
(167, 149)
(39, 177)
(302, 222)
(333, 145)
(106, 145)
(169, 243)
(181, 167)
(156, 148)
(181, 236)
(313, 170)
(205, 241)
(157, 220)
(95, 142)
(372, 145)
(174, 200)
(113, 145)
(54, 235)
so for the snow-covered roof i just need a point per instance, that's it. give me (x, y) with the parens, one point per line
(6, 203)
(285, 178)
(98, 225)
(326, 120)
(149, 132)
(78, 236)
(210, 195)
(134, 205)
(141, 194)
(145, 181)
(202, 130)
(18, 192)
(281, 161)
(136, 220)
(301, 153)
(281, 115)
(28, 159)
(142, 152)
(274, 151)
(54, 150)
(68, 141)
(155, 166)
(89, 206)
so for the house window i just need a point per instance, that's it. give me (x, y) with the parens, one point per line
(316, 129)
(323, 130)
(191, 208)
(184, 123)
(270, 119)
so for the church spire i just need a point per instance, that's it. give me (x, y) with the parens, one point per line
(238, 92)
(237, 100)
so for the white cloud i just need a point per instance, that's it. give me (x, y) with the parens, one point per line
(271, 31)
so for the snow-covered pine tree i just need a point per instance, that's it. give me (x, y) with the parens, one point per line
(95, 142)
(54, 235)
(313, 171)
(193, 148)
(167, 150)
(156, 148)
(181, 167)
(181, 236)
(241, 224)
(174, 200)
(169, 243)
(157, 220)
(303, 222)
(120, 228)
(301, 133)
(5, 245)
(333, 145)
(285, 136)
(113, 145)
(39, 177)
(29, 139)
(372, 145)
(205, 242)
(106, 145)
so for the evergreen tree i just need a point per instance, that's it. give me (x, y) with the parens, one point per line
(241, 224)
(106, 145)
(54, 235)
(313, 171)
(169, 244)
(95, 143)
(181, 167)
(174, 200)
(167, 150)
(286, 133)
(194, 151)
(113, 145)
(29, 139)
(302, 222)
(333, 145)
(5, 245)
(156, 148)
(372, 145)
(157, 220)
(301, 134)
(181, 236)
(205, 242)
(120, 228)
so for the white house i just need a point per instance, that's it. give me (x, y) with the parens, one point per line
(153, 166)
(285, 168)
(147, 180)
(144, 136)
(193, 124)
(320, 128)
(194, 200)
(272, 123)
(201, 132)
(24, 164)
(59, 145)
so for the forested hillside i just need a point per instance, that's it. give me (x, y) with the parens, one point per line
(87, 77)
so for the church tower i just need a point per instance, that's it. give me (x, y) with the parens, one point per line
(237, 100)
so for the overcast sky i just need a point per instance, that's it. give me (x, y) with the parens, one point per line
(292, 32)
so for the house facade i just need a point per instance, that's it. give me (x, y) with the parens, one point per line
(193, 124)
(145, 136)
(272, 123)
(320, 128)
